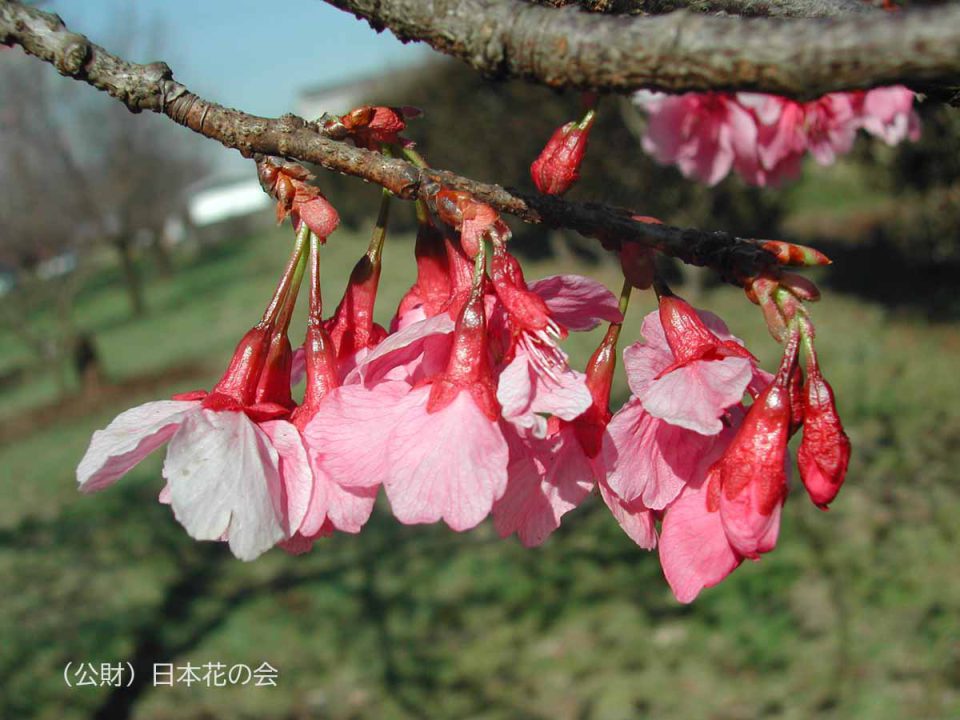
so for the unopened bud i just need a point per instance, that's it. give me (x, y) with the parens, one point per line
(558, 166)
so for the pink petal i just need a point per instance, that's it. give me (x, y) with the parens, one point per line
(402, 347)
(526, 395)
(636, 520)
(696, 395)
(295, 474)
(127, 440)
(346, 439)
(694, 551)
(344, 508)
(449, 465)
(576, 302)
(651, 459)
(224, 478)
(515, 388)
(546, 479)
(644, 361)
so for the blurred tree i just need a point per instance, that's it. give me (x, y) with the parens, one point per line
(101, 177)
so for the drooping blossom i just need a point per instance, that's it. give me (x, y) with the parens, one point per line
(888, 114)
(684, 379)
(537, 378)
(440, 453)
(332, 506)
(546, 478)
(235, 468)
(222, 467)
(733, 512)
(689, 369)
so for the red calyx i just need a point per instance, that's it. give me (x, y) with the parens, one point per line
(825, 448)
(469, 364)
(274, 384)
(526, 309)
(432, 288)
(590, 425)
(689, 338)
(557, 167)
(237, 390)
(352, 327)
(322, 376)
(240, 380)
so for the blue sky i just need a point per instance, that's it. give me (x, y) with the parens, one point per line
(250, 54)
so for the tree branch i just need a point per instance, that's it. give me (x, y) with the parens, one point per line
(152, 87)
(743, 8)
(679, 52)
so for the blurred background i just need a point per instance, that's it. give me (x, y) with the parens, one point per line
(133, 256)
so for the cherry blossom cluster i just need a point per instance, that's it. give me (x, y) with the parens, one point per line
(764, 138)
(467, 407)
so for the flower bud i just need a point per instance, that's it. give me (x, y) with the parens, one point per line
(795, 255)
(825, 448)
(558, 166)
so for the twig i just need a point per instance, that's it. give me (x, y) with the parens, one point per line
(152, 87)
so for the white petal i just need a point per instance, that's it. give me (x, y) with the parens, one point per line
(131, 436)
(224, 480)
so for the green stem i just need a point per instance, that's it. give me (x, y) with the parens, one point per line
(414, 157)
(479, 265)
(290, 301)
(624, 302)
(283, 287)
(375, 250)
(423, 212)
(316, 298)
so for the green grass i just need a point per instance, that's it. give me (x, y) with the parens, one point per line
(856, 615)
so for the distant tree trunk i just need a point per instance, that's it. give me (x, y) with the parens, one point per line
(87, 365)
(131, 275)
(162, 257)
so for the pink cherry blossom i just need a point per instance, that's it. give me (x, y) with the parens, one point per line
(222, 471)
(439, 451)
(888, 114)
(694, 550)
(687, 375)
(547, 478)
(538, 380)
(649, 458)
(765, 138)
(704, 135)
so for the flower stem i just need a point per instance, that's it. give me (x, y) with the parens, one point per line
(283, 287)
(624, 302)
(315, 315)
(415, 157)
(375, 250)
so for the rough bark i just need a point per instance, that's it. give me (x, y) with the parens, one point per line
(744, 8)
(682, 51)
